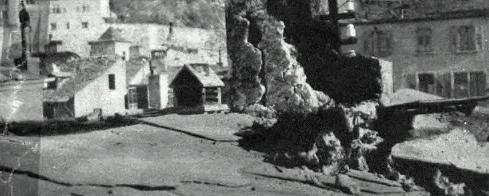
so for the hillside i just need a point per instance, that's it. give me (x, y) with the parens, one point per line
(208, 14)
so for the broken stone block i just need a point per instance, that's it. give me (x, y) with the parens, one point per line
(457, 154)
(329, 149)
(361, 115)
(446, 187)
(346, 184)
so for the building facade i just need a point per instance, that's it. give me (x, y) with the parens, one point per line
(443, 53)
(95, 85)
(75, 22)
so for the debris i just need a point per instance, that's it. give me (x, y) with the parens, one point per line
(446, 187)
(346, 184)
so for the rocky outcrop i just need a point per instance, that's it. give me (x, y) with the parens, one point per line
(265, 69)
(281, 58)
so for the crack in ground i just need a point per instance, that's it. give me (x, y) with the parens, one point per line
(12, 171)
(214, 184)
(138, 187)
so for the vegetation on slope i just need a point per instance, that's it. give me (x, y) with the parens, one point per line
(208, 14)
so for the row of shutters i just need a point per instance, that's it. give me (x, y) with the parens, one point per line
(381, 43)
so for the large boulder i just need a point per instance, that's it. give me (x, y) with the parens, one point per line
(264, 66)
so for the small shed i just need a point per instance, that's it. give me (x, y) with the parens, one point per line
(197, 88)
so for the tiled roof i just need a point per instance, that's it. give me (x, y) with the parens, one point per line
(417, 10)
(56, 58)
(206, 76)
(83, 72)
(112, 34)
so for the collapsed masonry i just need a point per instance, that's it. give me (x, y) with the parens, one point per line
(282, 60)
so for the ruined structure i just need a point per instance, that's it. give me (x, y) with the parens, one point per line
(282, 57)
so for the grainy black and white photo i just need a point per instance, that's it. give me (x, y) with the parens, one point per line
(244, 97)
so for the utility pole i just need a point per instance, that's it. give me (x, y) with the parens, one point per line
(334, 16)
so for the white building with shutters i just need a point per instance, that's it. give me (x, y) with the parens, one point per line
(444, 53)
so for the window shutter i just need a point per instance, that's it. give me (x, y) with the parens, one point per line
(453, 35)
(479, 37)
(389, 43)
(367, 43)
(410, 80)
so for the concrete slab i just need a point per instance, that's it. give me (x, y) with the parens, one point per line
(216, 127)
(458, 148)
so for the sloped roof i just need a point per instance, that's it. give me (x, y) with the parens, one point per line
(203, 73)
(13, 74)
(83, 72)
(56, 58)
(112, 34)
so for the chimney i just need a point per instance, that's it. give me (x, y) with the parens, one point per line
(157, 62)
(134, 52)
(53, 47)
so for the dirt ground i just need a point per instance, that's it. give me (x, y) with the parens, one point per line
(150, 160)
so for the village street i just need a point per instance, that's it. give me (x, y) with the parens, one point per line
(147, 159)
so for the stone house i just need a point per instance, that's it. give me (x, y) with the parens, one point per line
(21, 97)
(197, 89)
(443, 53)
(110, 43)
(96, 86)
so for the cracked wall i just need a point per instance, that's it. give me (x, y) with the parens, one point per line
(281, 57)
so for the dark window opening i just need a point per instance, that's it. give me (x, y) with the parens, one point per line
(461, 88)
(424, 36)
(466, 38)
(427, 83)
(111, 81)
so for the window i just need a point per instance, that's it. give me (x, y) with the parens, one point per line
(426, 82)
(378, 43)
(67, 25)
(111, 81)
(50, 37)
(424, 43)
(85, 8)
(461, 85)
(85, 25)
(56, 9)
(53, 26)
(466, 38)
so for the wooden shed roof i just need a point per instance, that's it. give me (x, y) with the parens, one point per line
(202, 72)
